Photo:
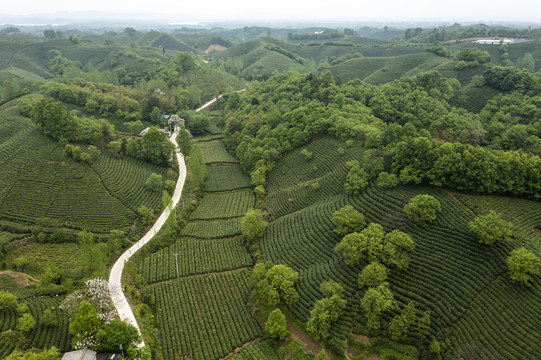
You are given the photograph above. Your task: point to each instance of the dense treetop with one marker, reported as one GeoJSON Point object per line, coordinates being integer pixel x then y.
{"type": "Point", "coordinates": [428, 140]}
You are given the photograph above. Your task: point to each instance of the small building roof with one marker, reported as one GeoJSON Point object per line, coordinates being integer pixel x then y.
{"type": "Point", "coordinates": [80, 355]}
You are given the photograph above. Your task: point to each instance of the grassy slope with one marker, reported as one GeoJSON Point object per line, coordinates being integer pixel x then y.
{"type": "Point", "coordinates": [450, 273]}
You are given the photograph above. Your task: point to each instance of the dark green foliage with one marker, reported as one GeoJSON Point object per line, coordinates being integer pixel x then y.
{"type": "Point", "coordinates": [376, 301]}
{"type": "Point", "coordinates": [372, 244]}
{"type": "Point", "coordinates": [7, 300]}
{"type": "Point", "coordinates": [154, 182]}
{"type": "Point", "coordinates": [473, 55]}
{"type": "Point", "coordinates": [117, 333]}
{"type": "Point", "coordinates": [274, 283]}
{"type": "Point", "coordinates": [356, 179]}
{"type": "Point", "coordinates": [53, 118]}
{"type": "Point", "coordinates": [326, 311]}
{"type": "Point", "coordinates": [373, 275]}
{"type": "Point", "coordinates": [422, 209]}
{"type": "Point", "coordinates": [439, 50]}
{"type": "Point", "coordinates": [184, 142]}
{"type": "Point", "coordinates": [467, 168]}
{"type": "Point", "coordinates": [348, 220]}
{"type": "Point", "coordinates": [509, 79]}
{"type": "Point", "coordinates": [159, 150]}
{"type": "Point", "coordinates": [84, 326]}
{"type": "Point", "coordinates": [147, 215]}
{"type": "Point", "coordinates": [196, 122]}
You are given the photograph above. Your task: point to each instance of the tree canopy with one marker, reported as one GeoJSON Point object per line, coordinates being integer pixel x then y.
{"type": "Point", "coordinates": [491, 228]}
{"type": "Point", "coordinates": [422, 208]}
{"type": "Point", "coordinates": [348, 220]}
{"type": "Point", "coordinates": [522, 265]}
{"type": "Point", "coordinates": [374, 245]}
{"type": "Point", "coordinates": [274, 283]}
{"type": "Point", "coordinates": [276, 325]}
{"type": "Point", "coordinates": [376, 301]}
{"type": "Point", "coordinates": [253, 225]}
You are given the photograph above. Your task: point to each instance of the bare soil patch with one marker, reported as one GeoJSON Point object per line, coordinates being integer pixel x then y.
{"type": "Point", "coordinates": [363, 339]}
{"type": "Point", "coordinates": [20, 279]}
{"type": "Point", "coordinates": [215, 47]}
{"type": "Point", "coordinates": [306, 339]}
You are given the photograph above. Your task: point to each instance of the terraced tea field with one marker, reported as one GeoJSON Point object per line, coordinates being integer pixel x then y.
{"type": "Point", "coordinates": [196, 257]}
{"type": "Point", "coordinates": [40, 336]}
{"type": "Point", "coordinates": [225, 178]}
{"type": "Point", "coordinates": [224, 205]}
{"type": "Point", "coordinates": [214, 152]}
{"type": "Point", "coordinates": [212, 229]}
{"type": "Point", "coordinates": [204, 317]}
{"type": "Point", "coordinates": [203, 313]}
{"type": "Point", "coordinates": [465, 285]}
{"type": "Point", "coordinates": [39, 181]}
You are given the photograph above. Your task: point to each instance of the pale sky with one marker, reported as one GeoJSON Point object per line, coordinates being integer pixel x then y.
{"type": "Point", "coordinates": [476, 10]}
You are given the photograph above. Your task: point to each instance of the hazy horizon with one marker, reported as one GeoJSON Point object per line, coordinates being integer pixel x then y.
{"type": "Point", "coordinates": [283, 11]}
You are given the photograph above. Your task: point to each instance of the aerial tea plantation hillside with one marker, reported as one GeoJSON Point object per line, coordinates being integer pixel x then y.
{"type": "Point", "coordinates": [39, 181]}
{"type": "Point", "coordinates": [200, 285]}
{"type": "Point", "coordinates": [465, 285]}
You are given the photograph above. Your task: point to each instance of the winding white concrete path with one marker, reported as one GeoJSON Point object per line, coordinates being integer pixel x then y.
{"type": "Point", "coordinates": [115, 286]}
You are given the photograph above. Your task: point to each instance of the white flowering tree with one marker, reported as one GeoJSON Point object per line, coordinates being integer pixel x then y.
{"type": "Point", "coordinates": [98, 295]}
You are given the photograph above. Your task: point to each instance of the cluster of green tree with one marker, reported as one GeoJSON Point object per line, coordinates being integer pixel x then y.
{"type": "Point", "coordinates": [526, 62]}
{"type": "Point", "coordinates": [281, 50]}
{"type": "Point", "coordinates": [195, 121]}
{"type": "Point", "coordinates": [331, 43]}
{"type": "Point", "coordinates": [273, 287]}
{"type": "Point", "coordinates": [97, 253]}
{"type": "Point", "coordinates": [288, 109]}
{"type": "Point", "coordinates": [362, 244]}
{"type": "Point", "coordinates": [55, 120]}
{"type": "Point", "coordinates": [25, 321]}
{"type": "Point", "coordinates": [471, 58]}
{"type": "Point", "coordinates": [48, 354]}
{"type": "Point", "coordinates": [101, 99]}
{"type": "Point", "coordinates": [10, 30]}
{"type": "Point", "coordinates": [85, 157]}
{"type": "Point", "coordinates": [491, 229]}
{"type": "Point", "coordinates": [172, 71]}
{"type": "Point", "coordinates": [458, 32]}
{"type": "Point", "coordinates": [439, 49]}
{"type": "Point", "coordinates": [511, 122]}
{"type": "Point", "coordinates": [90, 331]}
{"type": "Point", "coordinates": [52, 34]}
{"type": "Point", "coordinates": [510, 79]}
{"type": "Point", "coordinates": [11, 90]}
{"type": "Point", "coordinates": [324, 35]}
{"type": "Point", "coordinates": [467, 168]}
{"type": "Point", "coordinates": [153, 147]}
